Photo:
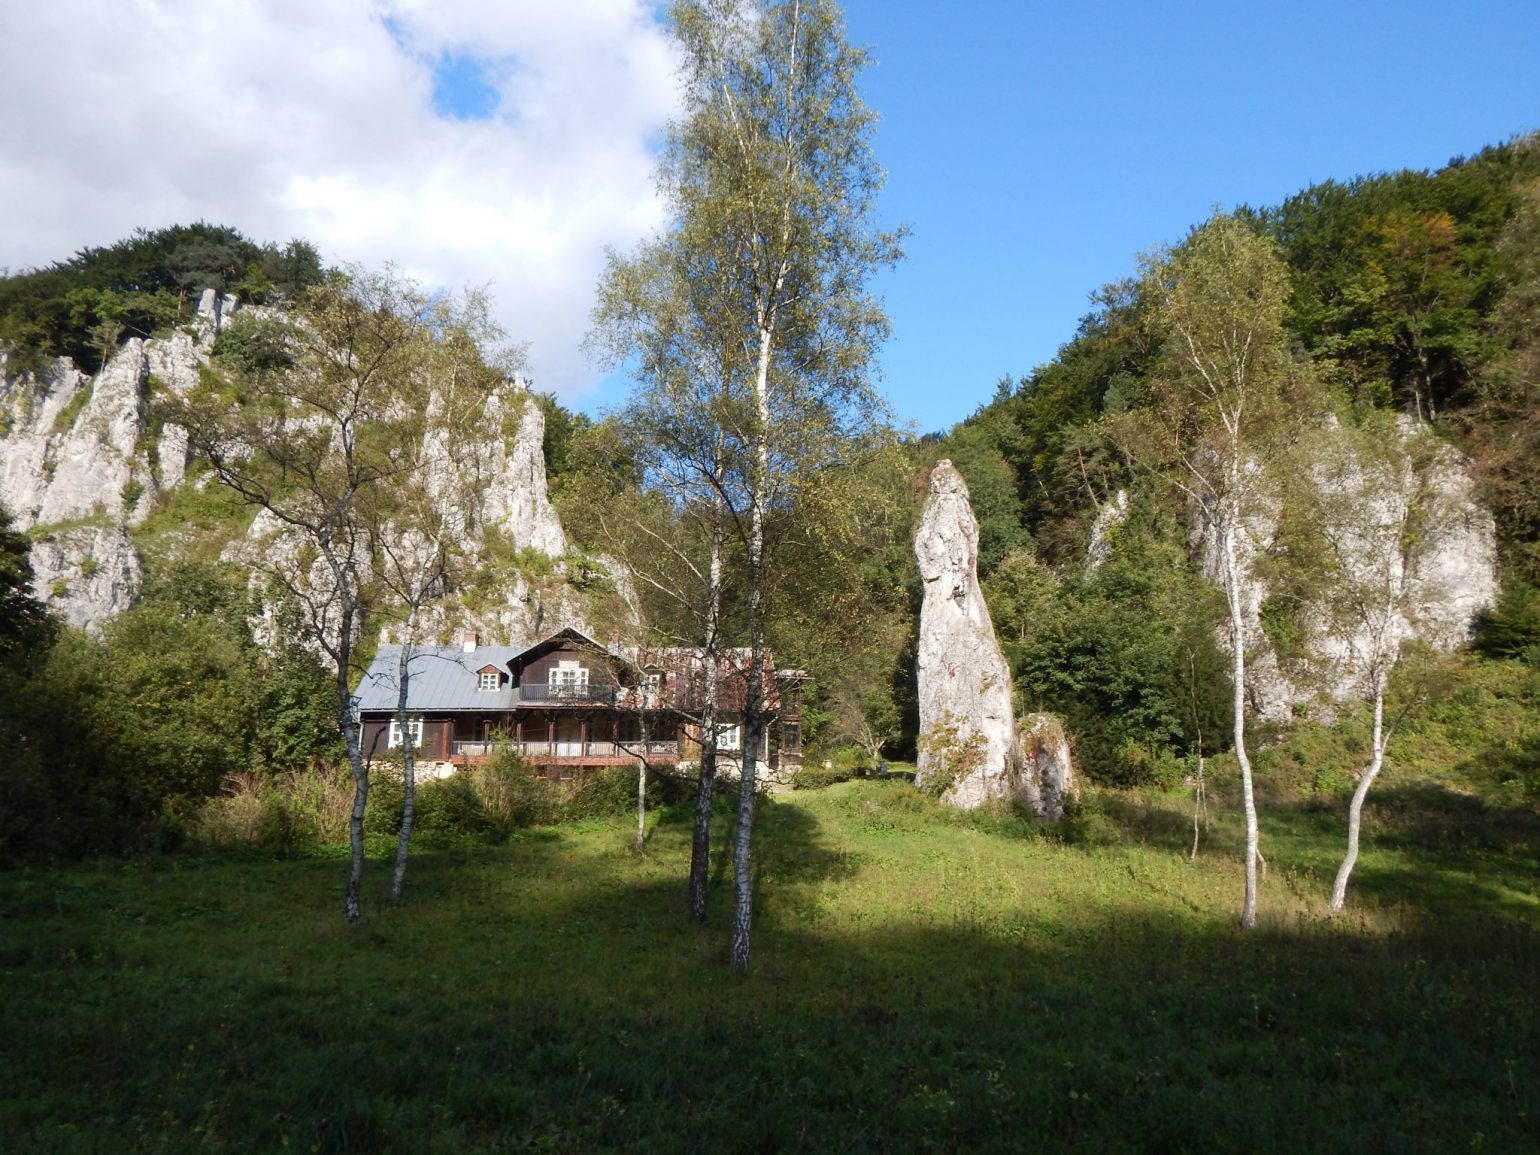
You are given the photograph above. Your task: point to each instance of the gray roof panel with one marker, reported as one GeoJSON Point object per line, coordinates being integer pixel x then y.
{"type": "Point", "coordinates": [441, 678]}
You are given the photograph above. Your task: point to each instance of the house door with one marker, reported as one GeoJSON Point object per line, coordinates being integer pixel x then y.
{"type": "Point", "coordinates": [569, 738]}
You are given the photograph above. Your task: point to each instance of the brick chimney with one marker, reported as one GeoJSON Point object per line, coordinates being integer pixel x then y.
{"type": "Point", "coordinates": [468, 643]}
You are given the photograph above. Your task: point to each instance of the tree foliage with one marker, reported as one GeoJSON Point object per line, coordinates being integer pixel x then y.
{"type": "Point", "coordinates": [81, 308]}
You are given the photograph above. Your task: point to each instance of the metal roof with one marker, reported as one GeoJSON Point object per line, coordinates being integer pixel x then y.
{"type": "Point", "coordinates": [441, 678]}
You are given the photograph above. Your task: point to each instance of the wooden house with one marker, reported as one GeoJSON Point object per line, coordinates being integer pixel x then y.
{"type": "Point", "coordinates": [569, 704]}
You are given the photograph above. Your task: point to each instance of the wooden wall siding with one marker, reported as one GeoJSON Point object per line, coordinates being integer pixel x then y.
{"type": "Point", "coordinates": [600, 672]}
{"type": "Point", "coordinates": [437, 739]}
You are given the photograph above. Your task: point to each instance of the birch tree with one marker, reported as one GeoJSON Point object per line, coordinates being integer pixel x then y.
{"type": "Point", "coordinates": [423, 526]}
{"type": "Point", "coordinates": [315, 421]}
{"type": "Point", "coordinates": [1221, 403]}
{"type": "Point", "coordinates": [654, 309]}
{"type": "Point", "coordinates": [1380, 511]}
{"type": "Point", "coordinates": [770, 180]}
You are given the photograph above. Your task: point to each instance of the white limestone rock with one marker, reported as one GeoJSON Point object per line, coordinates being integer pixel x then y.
{"type": "Point", "coordinates": [86, 574]}
{"type": "Point", "coordinates": [80, 453]}
{"type": "Point", "coordinates": [967, 731]}
{"type": "Point", "coordinates": [1453, 580]}
{"type": "Point", "coordinates": [516, 500]}
{"type": "Point", "coordinates": [1108, 518]}
{"type": "Point", "coordinates": [1047, 780]}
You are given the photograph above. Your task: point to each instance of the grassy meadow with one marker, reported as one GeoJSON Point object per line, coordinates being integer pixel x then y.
{"type": "Point", "coordinates": [924, 982]}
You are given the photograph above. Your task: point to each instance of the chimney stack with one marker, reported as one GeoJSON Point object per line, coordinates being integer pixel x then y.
{"type": "Point", "coordinates": [469, 643]}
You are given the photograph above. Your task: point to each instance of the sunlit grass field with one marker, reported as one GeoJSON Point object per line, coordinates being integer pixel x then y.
{"type": "Point", "coordinates": [922, 982]}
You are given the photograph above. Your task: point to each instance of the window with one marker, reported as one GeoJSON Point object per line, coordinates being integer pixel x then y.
{"type": "Point", "coordinates": [488, 681]}
{"type": "Point", "coordinates": [652, 683]}
{"type": "Point", "coordinates": [791, 736]}
{"type": "Point", "coordinates": [568, 679]}
{"type": "Point", "coordinates": [412, 724]}
{"type": "Point", "coordinates": [729, 738]}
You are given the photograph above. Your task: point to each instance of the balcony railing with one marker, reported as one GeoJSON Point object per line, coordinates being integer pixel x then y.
{"type": "Point", "coordinates": [483, 748]}
{"type": "Point", "coordinates": [541, 693]}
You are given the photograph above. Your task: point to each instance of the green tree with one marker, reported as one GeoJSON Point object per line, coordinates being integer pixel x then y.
{"type": "Point", "coordinates": [421, 535]}
{"type": "Point", "coordinates": [25, 624]}
{"type": "Point", "coordinates": [770, 178]}
{"type": "Point", "coordinates": [1220, 405]}
{"type": "Point", "coordinates": [1503, 427]}
{"type": "Point", "coordinates": [310, 445]}
{"type": "Point", "coordinates": [1382, 508]}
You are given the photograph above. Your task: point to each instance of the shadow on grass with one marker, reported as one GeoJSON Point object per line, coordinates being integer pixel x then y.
{"type": "Point", "coordinates": [550, 995]}
{"type": "Point", "coordinates": [1468, 858]}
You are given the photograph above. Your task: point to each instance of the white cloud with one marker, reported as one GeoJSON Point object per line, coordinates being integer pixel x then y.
{"type": "Point", "coordinates": [290, 118]}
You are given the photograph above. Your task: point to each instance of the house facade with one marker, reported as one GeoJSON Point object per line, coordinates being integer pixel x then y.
{"type": "Point", "coordinates": [570, 705]}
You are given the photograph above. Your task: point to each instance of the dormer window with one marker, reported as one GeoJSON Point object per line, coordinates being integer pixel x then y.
{"type": "Point", "coordinates": [488, 681]}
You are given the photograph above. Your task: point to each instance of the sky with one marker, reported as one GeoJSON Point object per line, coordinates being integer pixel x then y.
{"type": "Point", "coordinates": [1033, 149]}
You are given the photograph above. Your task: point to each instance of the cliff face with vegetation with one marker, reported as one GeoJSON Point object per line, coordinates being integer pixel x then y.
{"type": "Point", "coordinates": [1410, 306]}
{"type": "Point", "coordinates": [96, 480]}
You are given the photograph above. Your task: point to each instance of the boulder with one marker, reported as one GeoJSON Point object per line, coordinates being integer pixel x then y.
{"type": "Point", "coordinates": [1046, 774]}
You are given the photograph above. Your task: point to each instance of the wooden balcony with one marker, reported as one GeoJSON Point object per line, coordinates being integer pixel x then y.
{"type": "Point", "coordinates": [543, 694]}
{"type": "Point", "coordinates": [620, 753]}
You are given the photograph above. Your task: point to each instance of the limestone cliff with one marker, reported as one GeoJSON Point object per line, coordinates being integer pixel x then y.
{"type": "Point", "coordinates": [1441, 586]}
{"type": "Point", "coordinates": [84, 467]}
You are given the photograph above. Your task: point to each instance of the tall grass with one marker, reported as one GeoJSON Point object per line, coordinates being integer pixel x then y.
{"type": "Point", "coordinates": [302, 808]}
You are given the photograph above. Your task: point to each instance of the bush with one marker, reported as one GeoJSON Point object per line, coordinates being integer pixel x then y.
{"type": "Point", "coordinates": [1135, 764]}
{"type": "Point", "coordinates": [511, 793]}
{"type": "Point", "coordinates": [844, 763]}
{"type": "Point", "coordinates": [303, 808]}
{"type": "Point", "coordinates": [450, 806]}
{"type": "Point", "coordinates": [817, 776]}
{"type": "Point", "coordinates": [1086, 823]}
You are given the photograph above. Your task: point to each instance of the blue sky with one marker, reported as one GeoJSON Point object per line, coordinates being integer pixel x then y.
{"type": "Point", "coordinates": [1036, 148]}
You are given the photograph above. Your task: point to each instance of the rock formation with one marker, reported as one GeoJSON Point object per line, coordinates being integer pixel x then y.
{"type": "Point", "coordinates": [1047, 776]}
{"type": "Point", "coordinates": [1451, 580]}
{"type": "Point", "coordinates": [83, 464]}
{"type": "Point", "coordinates": [969, 749]}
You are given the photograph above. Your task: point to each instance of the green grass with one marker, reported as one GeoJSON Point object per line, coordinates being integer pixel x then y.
{"type": "Point", "coordinates": [923, 982]}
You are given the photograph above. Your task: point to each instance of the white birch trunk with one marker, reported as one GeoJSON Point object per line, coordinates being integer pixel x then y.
{"type": "Point", "coordinates": [641, 801]}
{"type": "Point", "coordinates": [1356, 807]}
{"type": "Point", "coordinates": [347, 718]}
{"type": "Point", "coordinates": [351, 900]}
{"type": "Point", "coordinates": [1238, 672]}
{"type": "Point", "coordinates": [700, 842]}
{"type": "Point", "coordinates": [409, 762]}
{"type": "Point", "coordinates": [743, 914]}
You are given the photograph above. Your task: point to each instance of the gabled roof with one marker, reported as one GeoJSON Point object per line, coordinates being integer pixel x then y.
{"type": "Point", "coordinates": [442, 678]}
{"type": "Point", "coordinates": [568, 635]}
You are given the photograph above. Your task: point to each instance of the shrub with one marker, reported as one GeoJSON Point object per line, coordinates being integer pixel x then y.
{"type": "Point", "coordinates": [511, 793]}
{"type": "Point", "coordinates": [450, 806]}
{"type": "Point", "coordinates": [1086, 823]}
{"type": "Point", "coordinates": [304, 808]}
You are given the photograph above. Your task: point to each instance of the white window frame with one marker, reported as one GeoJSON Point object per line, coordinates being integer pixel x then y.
{"type": "Point", "coordinates": [567, 675]}
{"type": "Point", "coordinates": [413, 725]}
{"type": "Point", "coordinates": [488, 682]}
{"type": "Point", "coordinates": [729, 736]}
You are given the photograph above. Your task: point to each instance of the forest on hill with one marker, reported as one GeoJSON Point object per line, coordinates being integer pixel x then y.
{"type": "Point", "coordinates": [1408, 293]}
